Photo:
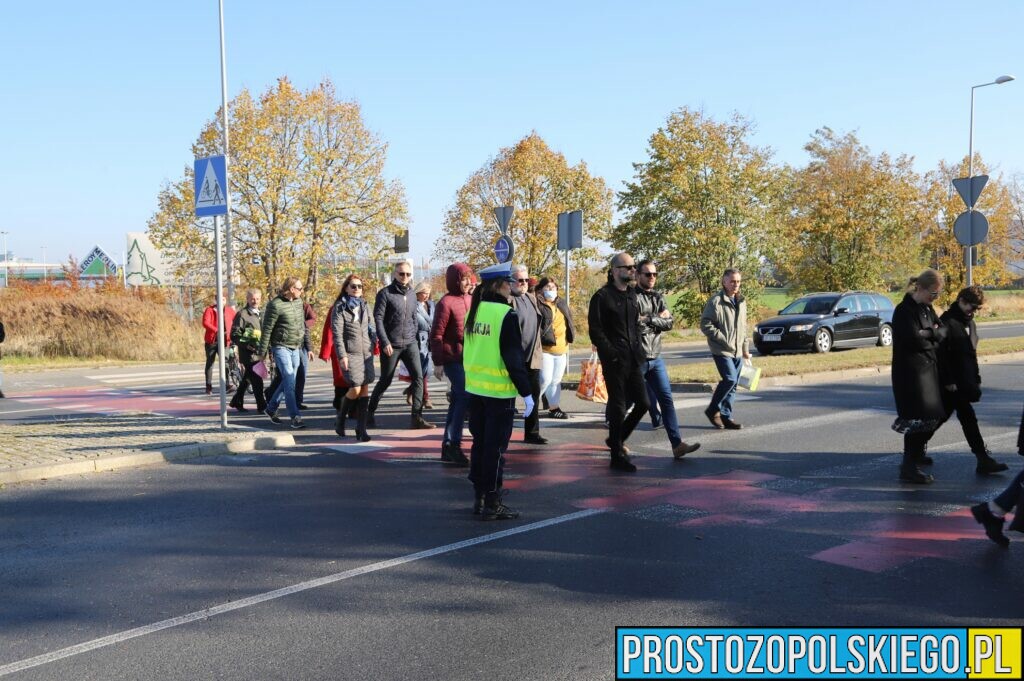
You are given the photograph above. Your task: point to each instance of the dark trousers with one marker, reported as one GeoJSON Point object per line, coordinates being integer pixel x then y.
{"type": "Point", "coordinates": [968, 421]}
{"type": "Point", "coordinates": [249, 377]}
{"type": "Point", "coordinates": [625, 386]}
{"type": "Point", "coordinates": [211, 358]}
{"type": "Point", "coordinates": [1012, 495]}
{"type": "Point", "coordinates": [456, 373]}
{"type": "Point", "coordinates": [531, 424]}
{"type": "Point", "coordinates": [490, 421]}
{"type": "Point", "coordinates": [410, 355]}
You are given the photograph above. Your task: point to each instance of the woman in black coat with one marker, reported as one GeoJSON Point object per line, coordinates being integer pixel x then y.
{"type": "Point", "coordinates": [963, 382]}
{"type": "Point", "coordinates": [917, 335]}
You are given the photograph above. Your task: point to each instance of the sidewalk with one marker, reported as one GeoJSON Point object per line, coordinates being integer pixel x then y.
{"type": "Point", "coordinates": [48, 448]}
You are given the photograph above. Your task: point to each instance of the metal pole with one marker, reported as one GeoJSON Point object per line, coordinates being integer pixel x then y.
{"type": "Point", "coordinates": [219, 278]}
{"type": "Point", "coordinates": [227, 159]}
{"type": "Point", "coordinates": [968, 251]}
{"type": "Point", "coordinates": [44, 262]}
{"type": "Point", "coordinates": [567, 276]}
{"type": "Point", "coordinates": [6, 267]}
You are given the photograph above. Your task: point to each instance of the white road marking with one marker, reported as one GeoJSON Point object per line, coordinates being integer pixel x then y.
{"type": "Point", "coordinates": [105, 641]}
{"type": "Point", "coordinates": [24, 411]}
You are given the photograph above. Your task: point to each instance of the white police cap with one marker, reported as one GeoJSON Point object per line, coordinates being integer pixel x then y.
{"type": "Point", "coordinates": [500, 271]}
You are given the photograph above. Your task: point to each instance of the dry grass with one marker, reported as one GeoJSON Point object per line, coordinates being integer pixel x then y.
{"type": "Point", "coordinates": [99, 323]}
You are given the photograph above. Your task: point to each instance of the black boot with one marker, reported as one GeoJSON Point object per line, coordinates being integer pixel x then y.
{"type": "Point", "coordinates": [364, 414]}
{"type": "Point", "coordinates": [353, 409]}
{"type": "Point", "coordinates": [987, 465]}
{"type": "Point", "coordinates": [339, 393]}
{"type": "Point", "coordinates": [494, 509]}
{"type": "Point", "coordinates": [339, 419]}
{"type": "Point", "coordinates": [922, 457]}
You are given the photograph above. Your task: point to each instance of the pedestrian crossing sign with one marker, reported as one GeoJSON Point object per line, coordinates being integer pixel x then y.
{"type": "Point", "coordinates": [211, 187]}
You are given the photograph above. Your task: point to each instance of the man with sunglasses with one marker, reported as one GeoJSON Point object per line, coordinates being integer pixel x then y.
{"type": "Point", "coordinates": [962, 379]}
{"type": "Point", "coordinates": [655, 319]}
{"type": "Point", "coordinates": [614, 317]}
{"type": "Point", "coordinates": [394, 313]}
{"type": "Point", "coordinates": [528, 310]}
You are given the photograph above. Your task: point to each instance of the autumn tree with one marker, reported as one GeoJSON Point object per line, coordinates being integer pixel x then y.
{"type": "Point", "coordinates": [704, 200]}
{"type": "Point", "coordinates": [855, 219]}
{"type": "Point", "coordinates": [539, 184]}
{"type": "Point", "coordinates": [308, 191]}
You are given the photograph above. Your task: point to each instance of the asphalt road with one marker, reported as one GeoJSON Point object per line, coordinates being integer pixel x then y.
{"type": "Point", "coordinates": [343, 561]}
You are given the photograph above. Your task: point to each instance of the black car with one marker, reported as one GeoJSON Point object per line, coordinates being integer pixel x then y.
{"type": "Point", "coordinates": [820, 321]}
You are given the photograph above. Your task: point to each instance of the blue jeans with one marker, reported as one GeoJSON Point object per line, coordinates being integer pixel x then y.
{"type": "Point", "coordinates": [1012, 495]}
{"type": "Point", "coordinates": [729, 370]}
{"type": "Point", "coordinates": [287, 361]}
{"type": "Point", "coordinates": [659, 392]}
{"type": "Point", "coordinates": [460, 400]}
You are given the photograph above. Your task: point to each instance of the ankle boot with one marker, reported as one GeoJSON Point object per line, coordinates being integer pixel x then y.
{"type": "Point", "coordinates": [909, 472]}
{"type": "Point", "coordinates": [987, 465]}
{"type": "Point", "coordinates": [364, 413]}
{"type": "Point", "coordinates": [339, 419]}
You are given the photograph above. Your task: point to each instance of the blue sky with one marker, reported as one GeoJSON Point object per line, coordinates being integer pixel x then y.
{"type": "Point", "coordinates": [102, 100]}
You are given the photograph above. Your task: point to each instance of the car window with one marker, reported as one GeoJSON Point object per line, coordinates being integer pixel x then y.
{"type": "Point", "coordinates": [850, 303]}
{"type": "Point", "coordinates": [810, 306]}
{"type": "Point", "coordinates": [867, 303]}
{"type": "Point", "coordinates": [882, 302]}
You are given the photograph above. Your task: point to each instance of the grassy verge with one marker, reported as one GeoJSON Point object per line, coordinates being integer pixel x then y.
{"type": "Point", "coordinates": [789, 365]}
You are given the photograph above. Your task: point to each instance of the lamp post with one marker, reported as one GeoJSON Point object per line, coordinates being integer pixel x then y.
{"type": "Point", "coordinates": [969, 251]}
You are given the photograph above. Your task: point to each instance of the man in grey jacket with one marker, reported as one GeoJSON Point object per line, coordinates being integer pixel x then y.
{"type": "Point", "coordinates": [528, 311]}
{"type": "Point", "coordinates": [394, 314]}
{"type": "Point", "coordinates": [655, 319]}
{"type": "Point", "coordinates": [724, 322]}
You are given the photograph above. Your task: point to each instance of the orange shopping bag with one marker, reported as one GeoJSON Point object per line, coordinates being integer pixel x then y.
{"type": "Point", "coordinates": [592, 387]}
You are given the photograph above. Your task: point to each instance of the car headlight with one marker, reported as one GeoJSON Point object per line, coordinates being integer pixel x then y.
{"type": "Point", "coordinates": [801, 327]}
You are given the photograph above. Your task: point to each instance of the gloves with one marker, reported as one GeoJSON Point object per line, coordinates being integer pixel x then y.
{"type": "Point", "coordinates": [528, 400]}
{"type": "Point", "coordinates": [438, 372]}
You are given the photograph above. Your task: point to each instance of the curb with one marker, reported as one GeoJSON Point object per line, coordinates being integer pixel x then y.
{"type": "Point", "coordinates": [146, 458]}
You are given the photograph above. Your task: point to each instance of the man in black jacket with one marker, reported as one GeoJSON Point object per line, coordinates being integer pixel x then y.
{"type": "Point", "coordinates": [394, 314]}
{"type": "Point", "coordinates": [959, 356]}
{"type": "Point", "coordinates": [614, 318]}
{"type": "Point", "coordinates": [655, 319]}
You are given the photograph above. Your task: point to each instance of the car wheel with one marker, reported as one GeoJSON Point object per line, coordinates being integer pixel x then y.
{"type": "Point", "coordinates": [764, 351]}
{"type": "Point", "coordinates": [822, 341]}
{"type": "Point", "coordinates": [885, 335]}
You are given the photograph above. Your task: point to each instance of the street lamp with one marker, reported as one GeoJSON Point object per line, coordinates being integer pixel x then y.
{"type": "Point", "coordinates": [969, 251]}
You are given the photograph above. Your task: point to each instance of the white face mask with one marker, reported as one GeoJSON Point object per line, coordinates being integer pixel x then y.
{"type": "Point", "coordinates": [549, 294]}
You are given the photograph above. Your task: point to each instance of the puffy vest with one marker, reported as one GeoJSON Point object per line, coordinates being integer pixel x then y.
{"type": "Point", "coordinates": [486, 374]}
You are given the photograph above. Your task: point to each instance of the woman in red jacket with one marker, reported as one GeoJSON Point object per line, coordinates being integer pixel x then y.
{"type": "Point", "coordinates": [210, 336]}
{"type": "Point", "coordinates": [446, 338]}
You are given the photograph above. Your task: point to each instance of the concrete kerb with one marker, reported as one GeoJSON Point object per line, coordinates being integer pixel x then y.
{"type": "Point", "coordinates": [145, 458]}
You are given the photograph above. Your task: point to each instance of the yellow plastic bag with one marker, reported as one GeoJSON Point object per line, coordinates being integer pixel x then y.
{"type": "Point", "coordinates": [750, 376]}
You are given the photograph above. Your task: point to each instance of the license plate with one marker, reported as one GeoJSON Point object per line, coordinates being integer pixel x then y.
{"type": "Point", "coordinates": [772, 337]}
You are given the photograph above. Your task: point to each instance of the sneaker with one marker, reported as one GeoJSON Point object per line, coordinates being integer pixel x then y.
{"type": "Point", "coordinates": [494, 509]}
{"type": "Point", "coordinates": [303, 407]}
{"type": "Point", "coordinates": [419, 424]}
{"type": "Point", "coordinates": [273, 415]}
{"type": "Point", "coordinates": [914, 476]}
{"type": "Point", "coordinates": [715, 418]}
{"type": "Point", "coordinates": [298, 423]}
{"type": "Point", "coordinates": [988, 466]}
{"type": "Point", "coordinates": [622, 463]}
{"type": "Point", "coordinates": [993, 525]}
{"type": "Point", "coordinates": [557, 413]}
{"type": "Point", "coordinates": [682, 449]}
{"type": "Point", "coordinates": [729, 424]}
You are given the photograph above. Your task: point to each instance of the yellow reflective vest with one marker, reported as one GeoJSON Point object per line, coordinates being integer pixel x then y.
{"type": "Point", "coordinates": [486, 374]}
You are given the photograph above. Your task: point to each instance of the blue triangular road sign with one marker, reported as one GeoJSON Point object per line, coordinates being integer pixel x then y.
{"type": "Point", "coordinates": [211, 187]}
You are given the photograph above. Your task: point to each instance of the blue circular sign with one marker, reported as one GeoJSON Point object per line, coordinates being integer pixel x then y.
{"type": "Point", "coordinates": [503, 249]}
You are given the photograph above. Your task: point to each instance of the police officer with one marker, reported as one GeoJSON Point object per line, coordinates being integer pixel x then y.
{"type": "Point", "coordinates": [495, 374]}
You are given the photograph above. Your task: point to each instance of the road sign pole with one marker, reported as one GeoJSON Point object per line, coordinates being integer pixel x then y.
{"type": "Point", "coordinates": [219, 279]}
{"type": "Point", "coordinates": [567, 277]}
{"type": "Point", "coordinates": [227, 161]}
